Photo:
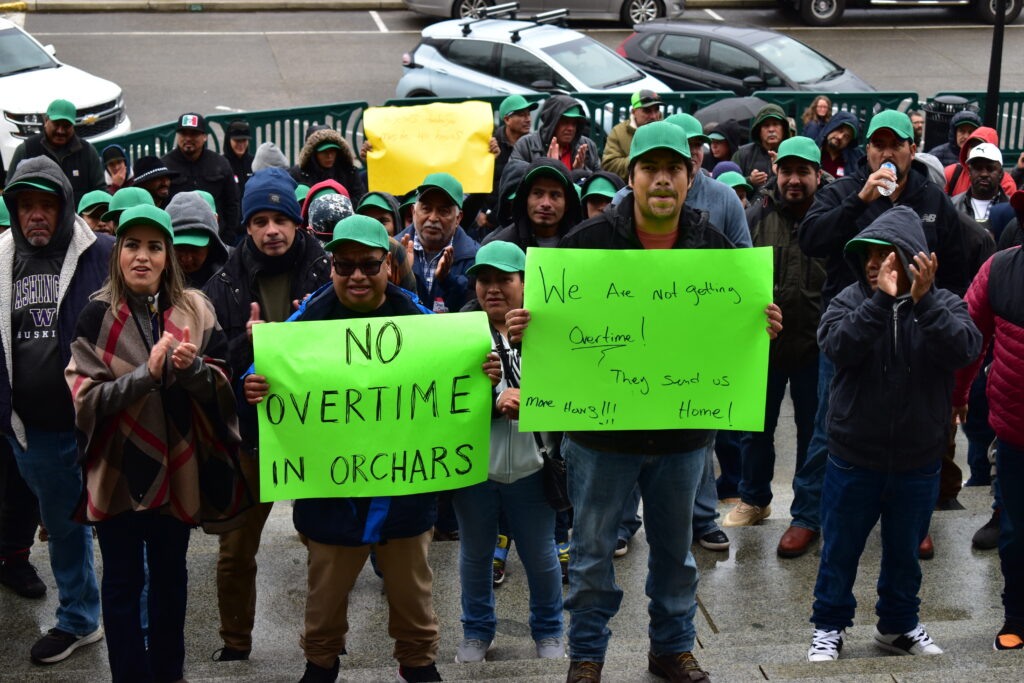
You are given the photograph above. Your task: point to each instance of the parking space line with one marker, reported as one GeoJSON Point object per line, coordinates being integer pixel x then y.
{"type": "Point", "coordinates": [714, 15]}
{"type": "Point", "coordinates": [377, 20]}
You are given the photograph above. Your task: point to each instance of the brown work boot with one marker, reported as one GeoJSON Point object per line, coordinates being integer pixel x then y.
{"type": "Point", "coordinates": [681, 666]}
{"type": "Point", "coordinates": [584, 672]}
{"type": "Point", "coordinates": [796, 541]}
{"type": "Point", "coordinates": [926, 550]}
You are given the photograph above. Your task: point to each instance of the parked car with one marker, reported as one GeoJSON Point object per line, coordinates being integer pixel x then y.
{"type": "Point", "coordinates": [629, 12]}
{"type": "Point", "coordinates": [830, 12]}
{"type": "Point", "coordinates": [715, 56]}
{"type": "Point", "coordinates": [460, 58]}
{"type": "Point", "coordinates": [31, 77]}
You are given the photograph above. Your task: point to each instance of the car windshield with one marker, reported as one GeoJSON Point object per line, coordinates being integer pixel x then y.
{"type": "Point", "coordinates": [593, 64]}
{"type": "Point", "coordinates": [18, 53]}
{"type": "Point", "coordinates": [796, 61]}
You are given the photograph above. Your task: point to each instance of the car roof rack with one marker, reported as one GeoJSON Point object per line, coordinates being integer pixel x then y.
{"type": "Point", "coordinates": [555, 16]}
{"type": "Point", "coordinates": [506, 9]}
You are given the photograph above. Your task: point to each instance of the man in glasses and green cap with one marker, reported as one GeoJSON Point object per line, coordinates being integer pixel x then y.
{"type": "Point", "coordinates": [77, 157]}
{"type": "Point", "coordinates": [604, 467]}
{"type": "Point", "coordinates": [562, 135]}
{"type": "Point", "coordinates": [645, 107]}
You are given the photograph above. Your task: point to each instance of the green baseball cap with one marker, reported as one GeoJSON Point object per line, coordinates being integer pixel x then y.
{"type": "Point", "coordinates": [191, 238]}
{"type": "Point", "coordinates": [408, 201]}
{"type": "Point", "coordinates": [690, 125]}
{"type": "Point", "coordinates": [601, 187]}
{"type": "Point", "coordinates": [715, 135]}
{"type": "Point", "coordinates": [300, 193]}
{"type": "Point", "coordinates": [574, 113]}
{"type": "Point", "coordinates": [374, 200]}
{"type": "Point", "coordinates": [327, 145]}
{"type": "Point", "coordinates": [93, 199]}
{"type": "Point", "coordinates": [208, 198]}
{"type": "Point", "coordinates": [41, 184]}
{"type": "Point", "coordinates": [896, 121]}
{"type": "Point", "coordinates": [504, 256]}
{"type": "Point", "coordinates": [734, 179]}
{"type": "Point", "coordinates": [5, 215]}
{"type": "Point", "coordinates": [514, 103]}
{"type": "Point", "coordinates": [145, 214]}
{"type": "Point", "coordinates": [361, 229]}
{"type": "Point", "coordinates": [659, 135]}
{"type": "Point", "coordinates": [445, 182]}
{"type": "Point", "coordinates": [543, 171]}
{"type": "Point", "coordinates": [860, 244]}
{"type": "Point", "coordinates": [125, 198]}
{"type": "Point", "coordinates": [644, 98]}
{"type": "Point", "coordinates": [800, 147]}
{"type": "Point", "coordinates": [61, 110]}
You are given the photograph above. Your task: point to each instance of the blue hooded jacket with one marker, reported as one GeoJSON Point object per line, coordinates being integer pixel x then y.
{"type": "Point", "coordinates": [853, 153]}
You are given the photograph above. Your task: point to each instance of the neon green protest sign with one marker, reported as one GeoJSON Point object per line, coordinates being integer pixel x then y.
{"type": "Point", "coordinates": [645, 339]}
{"type": "Point", "coordinates": [373, 406]}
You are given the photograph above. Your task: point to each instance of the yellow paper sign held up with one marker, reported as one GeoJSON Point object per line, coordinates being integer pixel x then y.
{"type": "Point", "coordinates": [410, 143]}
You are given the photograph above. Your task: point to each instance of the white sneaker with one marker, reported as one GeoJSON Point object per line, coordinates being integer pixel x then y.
{"type": "Point", "coordinates": [915, 642]}
{"type": "Point", "coordinates": [825, 645]}
{"type": "Point", "coordinates": [472, 650]}
{"type": "Point", "coordinates": [550, 648]}
{"type": "Point", "coordinates": [744, 514]}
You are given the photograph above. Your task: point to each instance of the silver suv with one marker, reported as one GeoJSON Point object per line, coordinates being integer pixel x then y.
{"type": "Point", "coordinates": [502, 56]}
{"type": "Point", "coordinates": [629, 12]}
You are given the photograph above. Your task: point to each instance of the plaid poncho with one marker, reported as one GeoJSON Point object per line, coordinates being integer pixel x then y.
{"type": "Point", "coordinates": [147, 445]}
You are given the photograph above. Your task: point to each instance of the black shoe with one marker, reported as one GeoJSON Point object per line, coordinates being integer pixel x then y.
{"type": "Point", "coordinates": [58, 645]}
{"type": "Point", "coordinates": [418, 674]}
{"type": "Point", "coordinates": [949, 504]}
{"type": "Point", "coordinates": [987, 537]}
{"type": "Point", "coordinates": [21, 577]}
{"type": "Point", "coordinates": [318, 674]}
{"type": "Point", "coordinates": [715, 540]}
{"type": "Point", "coordinates": [227, 654]}
{"type": "Point", "coordinates": [584, 672]}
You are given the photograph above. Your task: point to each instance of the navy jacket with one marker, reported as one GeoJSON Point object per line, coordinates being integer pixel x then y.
{"type": "Point", "coordinates": [891, 399]}
{"type": "Point", "coordinates": [353, 522]}
{"type": "Point", "coordinates": [453, 289]}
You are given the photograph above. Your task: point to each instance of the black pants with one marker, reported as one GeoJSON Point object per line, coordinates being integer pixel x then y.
{"type": "Point", "coordinates": [164, 540]}
{"type": "Point", "coordinates": [19, 509]}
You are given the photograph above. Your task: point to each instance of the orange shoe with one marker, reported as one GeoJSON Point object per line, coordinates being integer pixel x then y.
{"type": "Point", "coordinates": [926, 550]}
{"type": "Point", "coordinates": [1008, 638]}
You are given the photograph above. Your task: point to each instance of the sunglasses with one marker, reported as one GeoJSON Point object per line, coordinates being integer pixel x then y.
{"type": "Point", "coordinates": [369, 268]}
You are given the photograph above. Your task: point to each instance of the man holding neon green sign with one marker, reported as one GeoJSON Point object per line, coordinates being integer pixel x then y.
{"type": "Point", "coordinates": [604, 465]}
{"type": "Point", "coordinates": [406, 432]}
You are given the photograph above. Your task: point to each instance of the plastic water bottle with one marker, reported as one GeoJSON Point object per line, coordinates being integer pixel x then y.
{"type": "Point", "coordinates": [888, 186]}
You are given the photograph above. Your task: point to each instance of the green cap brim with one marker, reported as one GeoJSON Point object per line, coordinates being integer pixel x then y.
{"type": "Point", "coordinates": [424, 189]}
{"type": "Point", "coordinates": [192, 239]}
{"type": "Point", "coordinates": [374, 200]}
{"type": "Point", "coordinates": [574, 113]}
{"type": "Point", "coordinates": [334, 244]}
{"type": "Point", "coordinates": [328, 145]}
{"type": "Point", "coordinates": [716, 136]}
{"type": "Point", "coordinates": [505, 267]}
{"type": "Point", "coordinates": [858, 244]}
{"type": "Point", "coordinates": [31, 185]}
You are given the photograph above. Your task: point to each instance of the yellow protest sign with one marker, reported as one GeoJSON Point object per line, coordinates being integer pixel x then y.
{"type": "Point", "coordinates": [409, 143]}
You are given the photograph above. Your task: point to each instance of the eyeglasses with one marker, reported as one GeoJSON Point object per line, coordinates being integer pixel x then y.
{"type": "Point", "coordinates": [369, 268]}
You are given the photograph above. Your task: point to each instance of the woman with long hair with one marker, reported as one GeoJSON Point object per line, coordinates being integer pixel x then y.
{"type": "Point", "coordinates": [158, 440]}
{"type": "Point", "coordinates": [816, 116]}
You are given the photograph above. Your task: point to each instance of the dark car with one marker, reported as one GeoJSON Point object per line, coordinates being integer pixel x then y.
{"type": "Point", "coordinates": [715, 56]}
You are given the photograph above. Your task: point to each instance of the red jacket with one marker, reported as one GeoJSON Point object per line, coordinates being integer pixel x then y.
{"type": "Point", "coordinates": [996, 305]}
{"type": "Point", "coordinates": [963, 181]}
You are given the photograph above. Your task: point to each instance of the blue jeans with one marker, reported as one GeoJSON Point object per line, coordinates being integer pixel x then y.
{"type": "Point", "coordinates": [729, 451]}
{"type": "Point", "coordinates": [1010, 472]}
{"type": "Point", "coordinates": [853, 501]}
{"type": "Point", "coordinates": [806, 507]}
{"type": "Point", "coordinates": [705, 504]}
{"type": "Point", "coordinates": [630, 522]}
{"type": "Point", "coordinates": [759, 447]}
{"type": "Point", "coordinates": [599, 484]}
{"type": "Point", "coordinates": [532, 523]}
{"type": "Point", "coordinates": [50, 468]}
{"type": "Point", "coordinates": [978, 432]}
{"type": "Point", "coordinates": [131, 542]}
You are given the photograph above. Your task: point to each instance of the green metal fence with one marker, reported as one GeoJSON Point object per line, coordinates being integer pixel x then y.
{"type": "Point", "coordinates": [863, 105]}
{"type": "Point", "coordinates": [1009, 120]}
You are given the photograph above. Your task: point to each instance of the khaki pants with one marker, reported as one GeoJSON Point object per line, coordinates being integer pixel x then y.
{"type": "Point", "coordinates": [408, 580]}
{"type": "Point", "coordinates": [236, 565]}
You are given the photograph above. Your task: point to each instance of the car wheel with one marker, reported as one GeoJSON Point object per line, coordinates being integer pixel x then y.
{"type": "Point", "coordinates": [985, 10]}
{"type": "Point", "coordinates": [641, 11]}
{"type": "Point", "coordinates": [788, 8]}
{"type": "Point", "coordinates": [421, 93]}
{"type": "Point", "coordinates": [823, 12]}
{"type": "Point", "coordinates": [468, 9]}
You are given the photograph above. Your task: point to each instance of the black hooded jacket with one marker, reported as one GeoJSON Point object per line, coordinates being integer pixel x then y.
{"type": "Point", "coordinates": [853, 153]}
{"type": "Point", "coordinates": [949, 152]}
{"type": "Point", "coordinates": [241, 166]}
{"type": "Point", "coordinates": [77, 158]}
{"type": "Point", "coordinates": [733, 133]}
{"type": "Point", "coordinates": [536, 144]}
{"type": "Point", "coordinates": [838, 214]}
{"type": "Point", "coordinates": [520, 232]}
{"type": "Point", "coordinates": [210, 172]}
{"type": "Point", "coordinates": [891, 398]}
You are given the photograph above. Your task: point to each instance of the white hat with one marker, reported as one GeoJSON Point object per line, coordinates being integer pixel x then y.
{"type": "Point", "coordinates": [985, 150]}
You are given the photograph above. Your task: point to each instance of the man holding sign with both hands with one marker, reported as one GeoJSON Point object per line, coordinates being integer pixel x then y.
{"type": "Point", "coordinates": [667, 464]}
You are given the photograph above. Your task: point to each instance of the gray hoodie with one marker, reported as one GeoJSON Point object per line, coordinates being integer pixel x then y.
{"type": "Point", "coordinates": [268, 155]}
{"type": "Point", "coordinates": [190, 212]}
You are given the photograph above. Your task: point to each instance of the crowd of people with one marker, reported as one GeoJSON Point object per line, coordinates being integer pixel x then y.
{"type": "Point", "coordinates": [128, 390]}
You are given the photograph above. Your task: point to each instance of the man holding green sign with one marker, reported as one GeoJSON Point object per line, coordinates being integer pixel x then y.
{"type": "Point", "coordinates": [393, 427]}
{"type": "Point", "coordinates": [667, 463]}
